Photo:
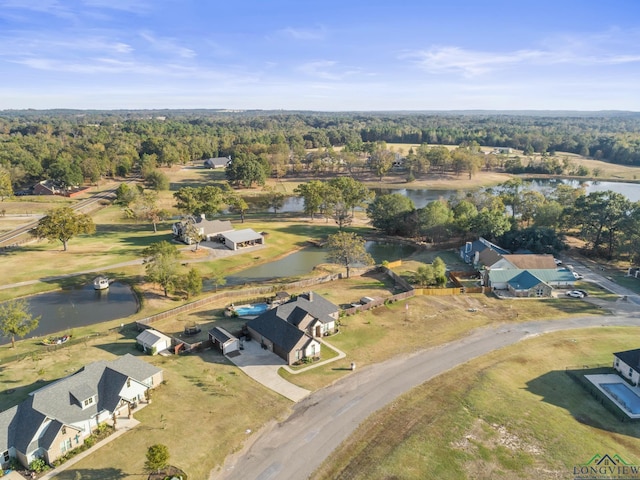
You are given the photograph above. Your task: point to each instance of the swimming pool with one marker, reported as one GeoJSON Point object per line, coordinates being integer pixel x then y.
{"type": "Point", "coordinates": [624, 396]}
{"type": "Point", "coordinates": [255, 309]}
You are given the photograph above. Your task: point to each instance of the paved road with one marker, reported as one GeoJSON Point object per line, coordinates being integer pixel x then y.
{"type": "Point", "coordinates": [295, 448]}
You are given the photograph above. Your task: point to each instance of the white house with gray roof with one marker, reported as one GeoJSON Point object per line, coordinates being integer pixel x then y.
{"type": "Point", "coordinates": [242, 238]}
{"type": "Point", "coordinates": [58, 417]}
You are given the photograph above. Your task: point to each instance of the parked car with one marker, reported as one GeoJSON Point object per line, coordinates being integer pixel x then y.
{"type": "Point", "coordinates": [583, 292]}
{"type": "Point", "coordinates": [577, 276]}
{"type": "Point", "coordinates": [575, 294]}
{"type": "Point", "coordinates": [558, 261]}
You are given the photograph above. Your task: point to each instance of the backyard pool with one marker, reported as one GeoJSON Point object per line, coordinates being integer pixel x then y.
{"type": "Point", "coordinates": [254, 309]}
{"type": "Point", "coordinates": [624, 396]}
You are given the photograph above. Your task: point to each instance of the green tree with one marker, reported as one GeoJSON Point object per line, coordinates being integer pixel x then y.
{"type": "Point", "coordinates": [16, 320]}
{"type": "Point", "coordinates": [510, 195]}
{"type": "Point", "coordinates": [273, 199]}
{"type": "Point", "coordinates": [381, 161]}
{"type": "Point", "coordinates": [207, 200]}
{"type": "Point", "coordinates": [162, 264]}
{"type": "Point", "coordinates": [157, 180]}
{"type": "Point", "coordinates": [352, 192]}
{"type": "Point", "coordinates": [313, 194]}
{"type": "Point", "coordinates": [246, 171]}
{"type": "Point", "coordinates": [126, 194]}
{"type": "Point", "coordinates": [435, 219]}
{"type": "Point", "coordinates": [218, 279]}
{"type": "Point", "coordinates": [347, 249]}
{"type": "Point", "coordinates": [490, 224]}
{"type": "Point", "coordinates": [439, 271]}
{"type": "Point", "coordinates": [192, 283]}
{"type": "Point", "coordinates": [6, 190]}
{"type": "Point", "coordinates": [63, 224]}
{"type": "Point", "coordinates": [157, 458]}
{"type": "Point", "coordinates": [146, 208]}
{"type": "Point", "coordinates": [424, 275]}
{"type": "Point", "coordinates": [387, 212]}
{"type": "Point", "coordinates": [239, 205]}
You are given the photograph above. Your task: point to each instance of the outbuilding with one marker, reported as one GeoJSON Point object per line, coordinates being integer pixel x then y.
{"type": "Point", "coordinates": [223, 340]}
{"type": "Point", "coordinates": [242, 238]}
{"type": "Point", "coordinates": [153, 342]}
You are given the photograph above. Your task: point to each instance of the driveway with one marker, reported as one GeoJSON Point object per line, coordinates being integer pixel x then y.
{"type": "Point", "coordinates": [263, 365]}
{"type": "Point", "coordinates": [294, 448]}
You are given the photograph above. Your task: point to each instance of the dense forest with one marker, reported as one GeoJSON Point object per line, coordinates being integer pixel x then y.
{"type": "Point", "coordinates": [74, 146]}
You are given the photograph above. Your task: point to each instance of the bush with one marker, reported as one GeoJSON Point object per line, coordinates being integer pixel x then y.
{"type": "Point", "coordinates": [38, 465]}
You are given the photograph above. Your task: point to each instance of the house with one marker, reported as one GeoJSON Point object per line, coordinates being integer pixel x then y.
{"type": "Point", "coordinates": [151, 341]}
{"type": "Point", "coordinates": [241, 238]}
{"type": "Point", "coordinates": [524, 262]}
{"type": "Point", "coordinates": [525, 284]}
{"type": "Point", "coordinates": [498, 279]}
{"type": "Point", "coordinates": [58, 417]}
{"type": "Point", "coordinates": [223, 340]}
{"type": "Point", "coordinates": [218, 162]}
{"type": "Point", "coordinates": [470, 251]}
{"type": "Point", "coordinates": [208, 230]}
{"type": "Point", "coordinates": [46, 187]}
{"type": "Point", "coordinates": [290, 330]}
{"type": "Point", "coordinates": [627, 363]}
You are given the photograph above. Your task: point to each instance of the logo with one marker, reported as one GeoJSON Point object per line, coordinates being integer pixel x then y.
{"type": "Point", "coordinates": [606, 467]}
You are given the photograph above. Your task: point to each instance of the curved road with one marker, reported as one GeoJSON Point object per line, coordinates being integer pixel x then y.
{"type": "Point", "coordinates": [295, 448]}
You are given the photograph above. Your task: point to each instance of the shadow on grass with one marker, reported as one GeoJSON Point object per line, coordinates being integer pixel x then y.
{"type": "Point", "coordinates": [94, 474]}
{"type": "Point", "coordinates": [560, 389]}
{"type": "Point", "coordinates": [121, 348]}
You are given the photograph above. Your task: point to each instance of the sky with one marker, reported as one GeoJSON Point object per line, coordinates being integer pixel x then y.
{"type": "Point", "coordinates": [325, 55]}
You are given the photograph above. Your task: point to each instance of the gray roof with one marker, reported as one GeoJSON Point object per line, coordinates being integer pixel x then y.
{"type": "Point", "coordinates": [277, 330]}
{"type": "Point", "coordinates": [217, 162]}
{"type": "Point", "coordinates": [244, 235]}
{"type": "Point", "coordinates": [221, 334]}
{"type": "Point", "coordinates": [630, 357]}
{"type": "Point", "coordinates": [62, 400]}
{"type": "Point", "coordinates": [151, 337]}
{"type": "Point", "coordinates": [312, 303]}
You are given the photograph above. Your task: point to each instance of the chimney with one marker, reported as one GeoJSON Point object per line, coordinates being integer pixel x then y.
{"type": "Point", "coordinates": [467, 247]}
{"type": "Point", "coordinates": [311, 296]}
{"type": "Point", "coordinates": [203, 216]}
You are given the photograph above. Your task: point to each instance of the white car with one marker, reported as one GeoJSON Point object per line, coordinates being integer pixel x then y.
{"type": "Point", "coordinates": [558, 261]}
{"type": "Point", "coordinates": [577, 276]}
{"type": "Point", "coordinates": [575, 294]}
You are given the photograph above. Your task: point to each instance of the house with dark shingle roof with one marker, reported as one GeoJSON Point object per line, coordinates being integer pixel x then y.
{"type": "Point", "coordinates": [218, 162]}
{"type": "Point", "coordinates": [58, 417]}
{"type": "Point", "coordinates": [628, 364]}
{"type": "Point", "coordinates": [290, 330]}
{"type": "Point", "coordinates": [209, 230]}
{"type": "Point", "coordinates": [471, 252]}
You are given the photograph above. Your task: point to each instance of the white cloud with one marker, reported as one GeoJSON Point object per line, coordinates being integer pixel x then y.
{"type": "Point", "coordinates": [167, 45]}
{"type": "Point", "coordinates": [318, 33]}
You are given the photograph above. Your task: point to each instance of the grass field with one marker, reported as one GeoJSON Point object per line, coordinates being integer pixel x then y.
{"type": "Point", "coordinates": [511, 414]}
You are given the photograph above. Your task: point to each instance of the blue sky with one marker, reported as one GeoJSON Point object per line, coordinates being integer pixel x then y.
{"type": "Point", "coordinates": [320, 55]}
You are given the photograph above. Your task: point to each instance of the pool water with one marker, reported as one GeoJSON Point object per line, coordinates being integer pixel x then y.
{"type": "Point", "coordinates": [624, 396]}
{"type": "Point", "coordinates": [255, 309]}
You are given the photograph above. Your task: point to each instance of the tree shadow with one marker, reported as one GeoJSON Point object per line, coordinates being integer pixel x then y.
{"type": "Point", "coordinates": [559, 389]}
{"type": "Point", "coordinates": [93, 474]}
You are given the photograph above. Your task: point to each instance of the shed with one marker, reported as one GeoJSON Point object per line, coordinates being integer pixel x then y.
{"type": "Point", "coordinates": [223, 340]}
{"type": "Point", "coordinates": [153, 341]}
{"type": "Point", "coordinates": [242, 238]}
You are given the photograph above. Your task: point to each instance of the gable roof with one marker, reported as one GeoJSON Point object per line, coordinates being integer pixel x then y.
{"type": "Point", "coordinates": [630, 357]}
{"type": "Point", "coordinates": [277, 330]}
{"type": "Point", "coordinates": [221, 334]}
{"type": "Point", "coordinates": [244, 235]}
{"type": "Point", "coordinates": [524, 281]}
{"type": "Point", "coordinates": [546, 275]}
{"type": "Point", "coordinates": [217, 162]}
{"type": "Point", "coordinates": [488, 257]}
{"type": "Point", "coordinates": [312, 303]}
{"type": "Point", "coordinates": [531, 261]}
{"type": "Point", "coordinates": [152, 337]}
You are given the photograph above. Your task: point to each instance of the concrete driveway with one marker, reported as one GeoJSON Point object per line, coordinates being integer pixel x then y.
{"type": "Point", "coordinates": [263, 365]}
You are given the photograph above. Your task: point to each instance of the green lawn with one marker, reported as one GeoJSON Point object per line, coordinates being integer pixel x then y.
{"type": "Point", "coordinates": [512, 414]}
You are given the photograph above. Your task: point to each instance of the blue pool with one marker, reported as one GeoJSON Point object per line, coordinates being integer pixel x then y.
{"type": "Point", "coordinates": [255, 309]}
{"type": "Point", "coordinates": [624, 396]}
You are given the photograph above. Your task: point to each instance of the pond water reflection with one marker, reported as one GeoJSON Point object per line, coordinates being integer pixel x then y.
{"type": "Point", "coordinates": [63, 310]}
{"type": "Point", "coordinates": [303, 261]}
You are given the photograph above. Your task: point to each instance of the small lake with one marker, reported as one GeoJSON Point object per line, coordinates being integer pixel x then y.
{"type": "Point", "coordinates": [303, 261]}
{"type": "Point", "coordinates": [64, 310]}
{"type": "Point", "coordinates": [423, 196]}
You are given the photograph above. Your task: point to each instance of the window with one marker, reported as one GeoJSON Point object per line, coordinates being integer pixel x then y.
{"type": "Point", "coordinates": [630, 372]}
{"type": "Point", "coordinates": [64, 430]}
{"type": "Point", "coordinates": [128, 383]}
{"type": "Point", "coordinates": [6, 456]}
{"type": "Point", "coordinates": [65, 445]}
{"type": "Point", "coordinates": [88, 401]}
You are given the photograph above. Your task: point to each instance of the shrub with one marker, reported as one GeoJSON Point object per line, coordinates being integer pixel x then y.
{"type": "Point", "coordinates": [38, 465]}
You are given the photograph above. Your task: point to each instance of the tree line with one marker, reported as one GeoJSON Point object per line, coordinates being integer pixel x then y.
{"type": "Point", "coordinates": [76, 146]}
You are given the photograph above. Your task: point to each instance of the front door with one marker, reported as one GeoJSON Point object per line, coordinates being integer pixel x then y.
{"type": "Point", "coordinates": [318, 331]}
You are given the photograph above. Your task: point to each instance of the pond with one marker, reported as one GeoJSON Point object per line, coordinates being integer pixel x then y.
{"type": "Point", "coordinates": [423, 196]}
{"type": "Point", "coordinates": [303, 261]}
{"type": "Point", "coordinates": [64, 310]}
